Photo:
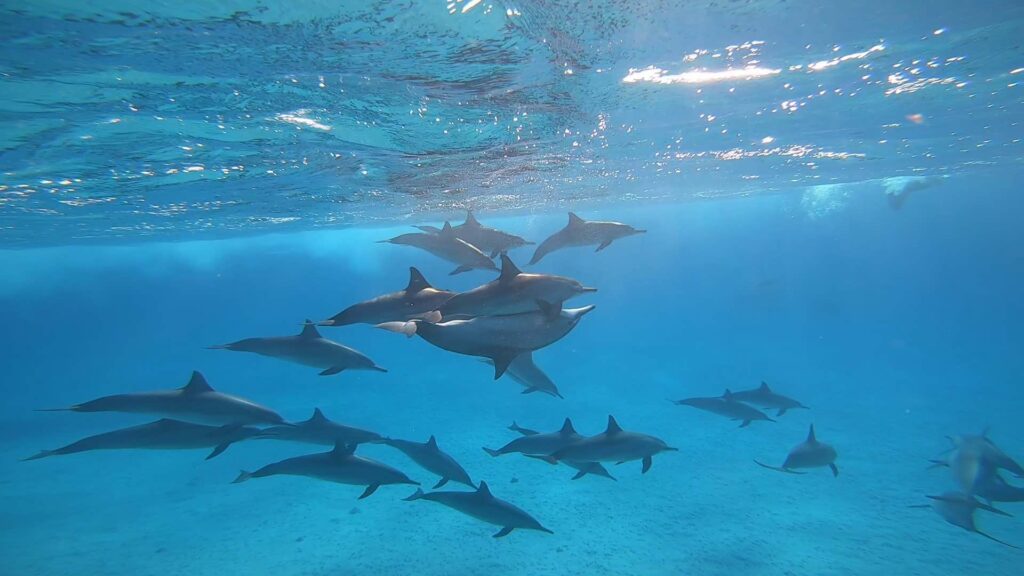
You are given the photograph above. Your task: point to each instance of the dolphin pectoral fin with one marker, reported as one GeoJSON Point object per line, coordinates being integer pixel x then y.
{"type": "Point", "coordinates": [504, 532]}
{"type": "Point", "coordinates": [502, 361]}
{"type": "Point", "coordinates": [835, 469]}
{"type": "Point", "coordinates": [579, 475]}
{"type": "Point", "coordinates": [777, 468]}
{"type": "Point", "coordinates": [414, 496]}
{"type": "Point", "coordinates": [938, 464]}
{"type": "Point", "coordinates": [460, 270]}
{"type": "Point", "coordinates": [440, 483]}
{"type": "Point", "coordinates": [745, 424]}
{"type": "Point", "coordinates": [603, 245]}
{"type": "Point", "coordinates": [332, 371]}
{"type": "Point", "coordinates": [993, 510]}
{"type": "Point", "coordinates": [780, 412]}
{"type": "Point", "coordinates": [647, 464]}
{"type": "Point", "coordinates": [994, 539]}
{"type": "Point", "coordinates": [242, 477]}
{"type": "Point", "coordinates": [219, 450]}
{"type": "Point", "coordinates": [369, 490]}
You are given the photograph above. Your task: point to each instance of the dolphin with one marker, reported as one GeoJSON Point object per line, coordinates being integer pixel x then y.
{"type": "Point", "coordinates": [500, 338]}
{"type": "Point", "coordinates": [195, 402]}
{"type": "Point", "coordinates": [482, 505]}
{"type": "Point", "coordinates": [727, 406]}
{"type": "Point", "coordinates": [308, 348]}
{"type": "Point", "coordinates": [529, 375]}
{"type": "Point", "coordinates": [512, 292]}
{"type": "Point", "coordinates": [320, 430]}
{"type": "Point", "coordinates": [612, 445]}
{"type": "Point", "coordinates": [579, 232]}
{"type": "Point", "coordinates": [164, 434]}
{"type": "Point", "coordinates": [994, 488]}
{"type": "Point", "coordinates": [958, 509]}
{"type": "Point", "coordinates": [765, 397]}
{"type": "Point", "coordinates": [974, 458]}
{"type": "Point", "coordinates": [446, 245]}
{"type": "Point", "coordinates": [418, 300]}
{"type": "Point", "coordinates": [988, 451]}
{"type": "Point", "coordinates": [432, 459]}
{"type": "Point", "coordinates": [340, 465]}
{"type": "Point", "coordinates": [808, 454]}
{"type": "Point", "coordinates": [544, 444]}
{"type": "Point", "coordinates": [524, 431]}
{"type": "Point", "coordinates": [488, 240]}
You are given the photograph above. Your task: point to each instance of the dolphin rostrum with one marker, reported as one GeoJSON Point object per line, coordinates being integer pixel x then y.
{"type": "Point", "coordinates": [511, 293]}
{"type": "Point", "coordinates": [320, 430]}
{"type": "Point", "coordinates": [432, 459]}
{"type": "Point", "coordinates": [535, 444]}
{"type": "Point", "coordinates": [164, 434]}
{"type": "Point", "coordinates": [418, 300]}
{"type": "Point", "coordinates": [808, 454]}
{"type": "Point", "coordinates": [765, 397]}
{"type": "Point", "coordinates": [488, 240]}
{"type": "Point", "coordinates": [446, 245]}
{"type": "Point", "coordinates": [529, 375]}
{"type": "Point", "coordinates": [727, 406]}
{"type": "Point", "coordinates": [579, 232]}
{"type": "Point", "coordinates": [612, 445]}
{"type": "Point", "coordinates": [340, 465]}
{"type": "Point", "coordinates": [308, 348]}
{"type": "Point", "coordinates": [958, 509]}
{"type": "Point", "coordinates": [500, 338]}
{"type": "Point", "coordinates": [483, 505]}
{"type": "Point", "coordinates": [194, 402]}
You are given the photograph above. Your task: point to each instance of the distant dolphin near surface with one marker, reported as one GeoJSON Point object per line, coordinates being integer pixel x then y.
{"type": "Point", "coordinates": [524, 371]}
{"type": "Point", "coordinates": [483, 505]}
{"type": "Point", "coordinates": [612, 445]}
{"type": "Point", "coordinates": [447, 246]}
{"type": "Point", "coordinates": [195, 402]}
{"type": "Point", "coordinates": [308, 348]}
{"type": "Point", "coordinates": [764, 397]}
{"type": "Point", "coordinates": [958, 509]}
{"type": "Point", "coordinates": [487, 240]}
{"type": "Point", "coordinates": [726, 405]}
{"type": "Point", "coordinates": [580, 232]}
{"type": "Point", "coordinates": [418, 300]}
{"type": "Point", "coordinates": [431, 458]}
{"type": "Point", "coordinates": [808, 454]}
{"type": "Point", "coordinates": [318, 429]}
{"type": "Point", "coordinates": [164, 434]}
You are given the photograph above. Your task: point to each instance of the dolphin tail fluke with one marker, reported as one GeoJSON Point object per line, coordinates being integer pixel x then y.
{"type": "Point", "coordinates": [493, 453]}
{"type": "Point", "coordinates": [414, 496]}
{"type": "Point", "coordinates": [777, 468]}
{"type": "Point", "coordinates": [242, 477]}
{"type": "Point", "coordinates": [407, 328]}
{"type": "Point", "coordinates": [41, 454]}
{"type": "Point", "coordinates": [460, 270]}
{"type": "Point", "coordinates": [219, 450]}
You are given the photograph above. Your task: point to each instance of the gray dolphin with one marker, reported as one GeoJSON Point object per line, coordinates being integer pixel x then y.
{"type": "Point", "coordinates": [196, 402]}
{"type": "Point", "coordinates": [482, 505]}
{"type": "Point", "coordinates": [340, 465]}
{"type": "Point", "coordinates": [974, 457]}
{"type": "Point", "coordinates": [579, 232]}
{"type": "Point", "coordinates": [543, 444]}
{"type": "Point", "coordinates": [488, 240]}
{"type": "Point", "coordinates": [308, 348]}
{"type": "Point", "coordinates": [320, 430]}
{"type": "Point", "coordinates": [958, 509]}
{"type": "Point", "coordinates": [524, 371]}
{"type": "Point", "coordinates": [432, 459]}
{"type": "Point", "coordinates": [612, 445]}
{"type": "Point", "coordinates": [164, 434]}
{"type": "Point", "coordinates": [418, 300]}
{"type": "Point", "coordinates": [512, 292]}
{"type": "Point", "coordinates": [765, 397]}
{"type": "Point", "coordinates": [727, 406]}
{"type": "Point", "coordinates": [994, 488]}
{"type": "Point", "coordinates": [447, 246]}
{"type": "Point", "coordinates": [500, 338]}
{"type": "Point", "coordinates": [808, 454]}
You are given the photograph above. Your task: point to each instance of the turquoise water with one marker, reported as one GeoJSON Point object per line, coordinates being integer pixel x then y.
{"type": "Point", "coordinates": [230, 168]}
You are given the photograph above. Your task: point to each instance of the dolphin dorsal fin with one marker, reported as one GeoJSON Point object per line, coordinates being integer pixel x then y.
{"type": "Point", "coordinates": [432, 442]}
{"type": "Point", "coordinates": [447, 228]}
{"type": "Point", "coordinates": [470, 219]}
{"type": "Point", "coordinates": [318, 416]}
{"type": "Point", "coordinates": [575, 220]}
{"type": "Point", "coordinates": [416, 281]}
{"type": "Point", "coordinates": [483, 490]}
{"type": "Point", "coordinates": [197, 384]}
{"type": "Point", "coordinates": [810, 435]}
{"type": "Point", "coordinates": [567, 427]}
{"type": "Point", "coordinates": [613, 426]}
{"type": "Point", "coordinates": [342, 450]}
{"type": "Point", "coordinates": [727, 395]}
{"type": "Point", "coordinates": [508, 269]}
{"type": "Point", "coordinates": [764, 387]}
{"type": "Point", "coordinates": [309, 330]}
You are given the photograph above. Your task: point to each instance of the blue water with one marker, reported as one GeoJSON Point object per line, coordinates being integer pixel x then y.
{"type": "Point", "coordinates": [176, 178]}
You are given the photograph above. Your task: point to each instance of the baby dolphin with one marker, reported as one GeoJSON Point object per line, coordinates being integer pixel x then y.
{"type": "Point", "coordinates": [447, 246]}
{"type": "Point", "coordinates": [308, 348]}
{"type": "Point", "coordinates": [488, 240]}
{"type": "Point", "coordinates": [320, 430]}
{"type": "Point", "coordinates": [432, 459]}
{"type": "Point", "coordinates": [418, 300]}
{"type": "Point", "coordinates": [808, 454]}
{"type": "Point", "coordinates": [340, 465]}
{"type": "Point", "coordinates": [512, 292]}
{"type": "Point", "coordinates": [544, 444]}
{"type": "Point", "coordinates": [579, 232]}
{"type": "Point", "coordinates": [764, 397]}
{"type": "Point", "coordinates": [727, 406]}
{"type": "Point", "coordinates": [482, 505]}
{"type": "Point", "coordinates": [164, 434]}
{"type": "Point", "coordinates": [529, 375]}
{"type": "Point", "coordinates": [194, 402]}
{"type": "Point", "coordinates": [958, 509]}
{"type": "Point", "coordinates": [612, 445]}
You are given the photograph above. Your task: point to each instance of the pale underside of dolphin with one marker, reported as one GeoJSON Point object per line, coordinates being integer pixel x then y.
{"type": "Point", "coordinates": [418, 300]}
{"type": "Point", "coordinates": [580, 232]}
{"type": "Point", "coordinates": [487, 240]}
{"type": "Point", "coordinates": [483, 505]}
{"type": "Point", "coordinates": [447, 246]}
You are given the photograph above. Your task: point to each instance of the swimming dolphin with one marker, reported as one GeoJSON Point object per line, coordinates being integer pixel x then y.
{"type": "Point", "coordinates": [524, 431]}
{"type": "Point", "coordinates": [544, 444]}
{"type": "Point", "coordinates": [308, 348]}
{"type": "Point", "coordinates": [432, 459]}
{"type": "Point", "coordinates": [500, 338]}
{"type": "Point", "coordinates": [320, 430]}
{"type": "Point", "coordinates": [958, 509]}
{"type": "Point", "coordinates": [808, 454]}
{"type": "Point", "coordinates": [482, 505]}
{"type": "Point", "coordinates": [974, 457]}
{"type": "Point", "coordinates": [340, 465]}
{"type": "Point", "coordinates": [512, 292]}
{"type": "Point", "coordinates": [418, 300]}
{"type": "Point", "coordinates": [612, 445]}
{"type": "Point", "coordinates": [529, 375]}
{"type": "Point", "coordinates": [488, 240]}
{"type": "Point", "coordinates": [195, 402]}
{"type": "Point", "coordinates": [765, 397]}
{"type": "Point", "coordinates": [727, 406]}
{"type": "Point", "coordinates": [446, 245]}
{"type": "Point", "coordinates": [579, 232]}
{"type": "Point", "coordinates": [164, 434]}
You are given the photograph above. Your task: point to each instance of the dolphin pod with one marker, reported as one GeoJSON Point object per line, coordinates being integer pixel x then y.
{"type": "Point", "coordinates": [445, 244]}
{"type": "Point", "coordinates": [580, 232]}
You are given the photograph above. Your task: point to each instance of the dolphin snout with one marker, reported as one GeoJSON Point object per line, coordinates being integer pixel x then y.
{"type": "Point", "coordinates": [220, 347]}
{"type": "Point", "coordinates": [588, 289]}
